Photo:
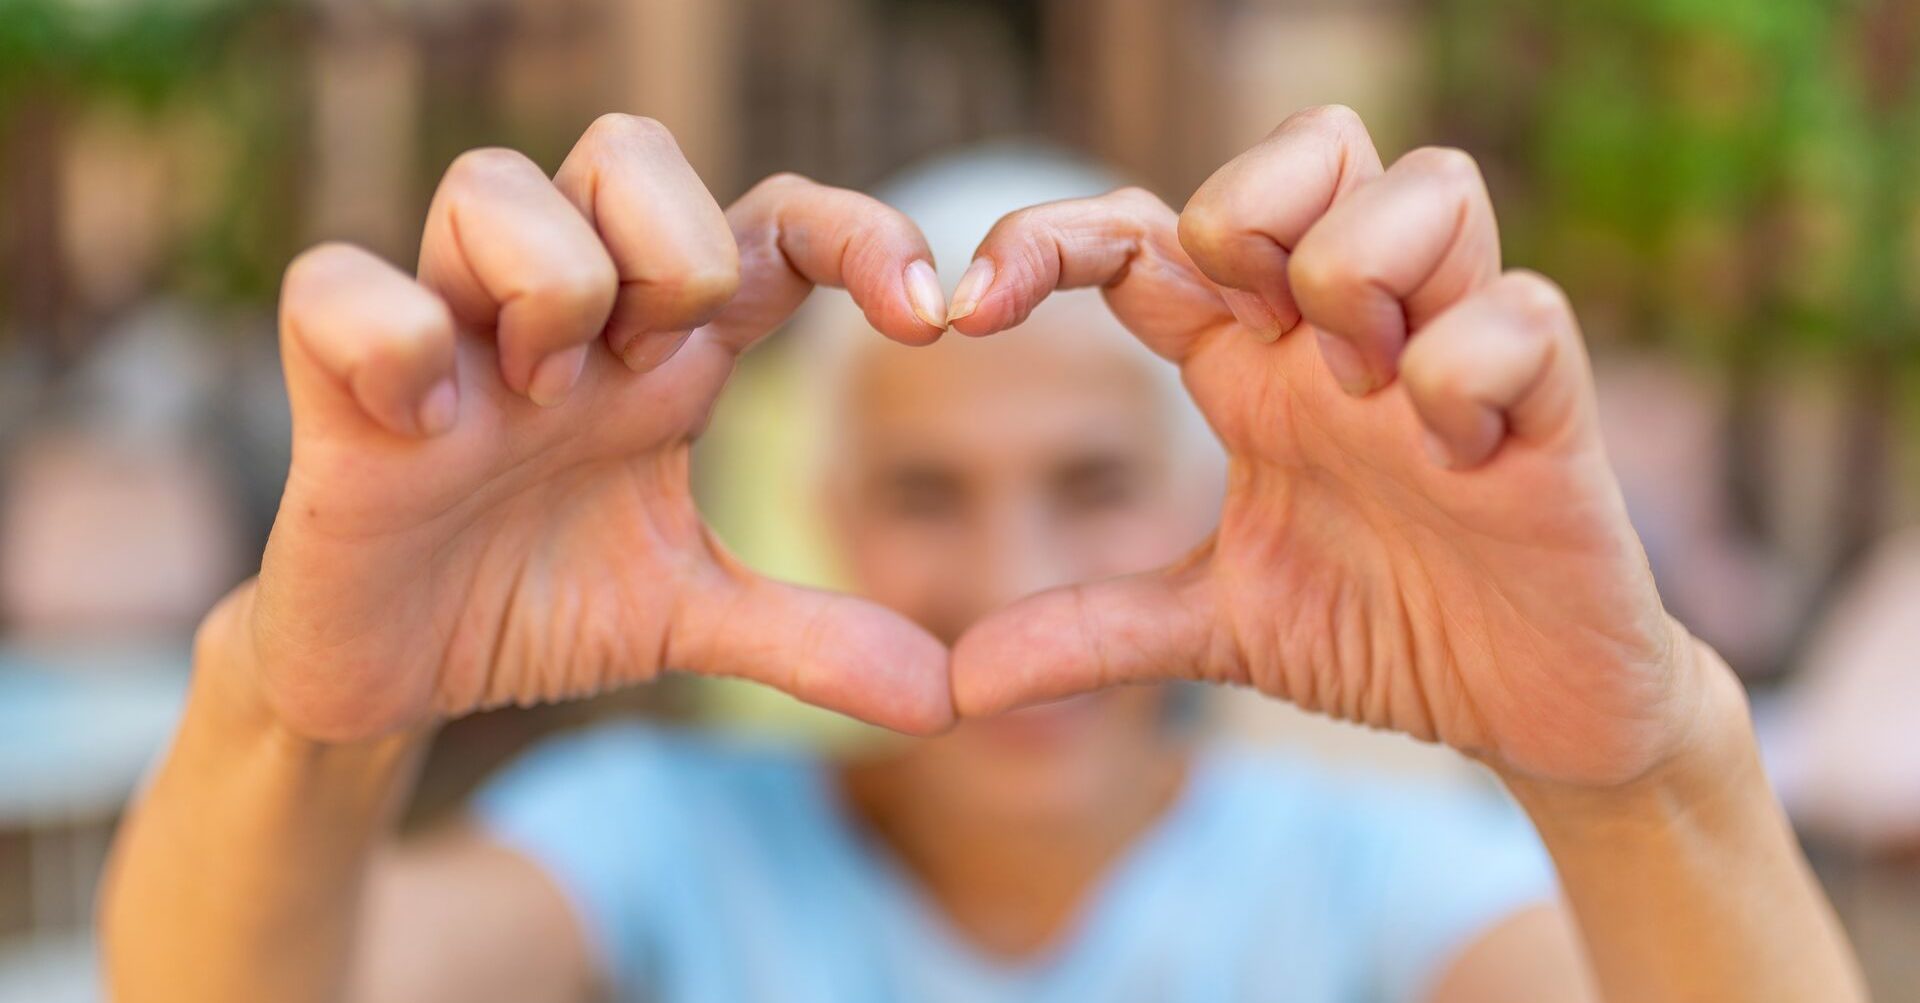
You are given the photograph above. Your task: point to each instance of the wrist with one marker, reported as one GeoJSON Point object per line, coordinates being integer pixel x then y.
{"type": "Point", "coordinates": [1710, 761]}
{"type": "Point", "coordinates": [228, 690]}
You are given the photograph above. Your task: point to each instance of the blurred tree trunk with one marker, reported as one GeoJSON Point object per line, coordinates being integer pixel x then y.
{"type": "Point", "coordinates": [1890, 43]}
{"type": "Point", "coordinates": [364, 85]}
{"type": "Point", "coordinates": [30, 240]}
{"type": "Point", "coordinates": [1136, 83]}
{"type": "Point", "coordinates": [1885, 329]}
{"type": "Point", "coordinates": [681, 72]}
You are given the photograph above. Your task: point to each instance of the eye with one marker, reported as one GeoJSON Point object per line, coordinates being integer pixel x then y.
{"type": "Point", "coordinates": [921, 495]}
{"type": "Point", "coordinates": [1099, 485]}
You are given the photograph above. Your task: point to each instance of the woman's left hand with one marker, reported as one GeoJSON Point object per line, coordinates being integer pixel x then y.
{"type": "Point", "coordinates": [1421, 530]}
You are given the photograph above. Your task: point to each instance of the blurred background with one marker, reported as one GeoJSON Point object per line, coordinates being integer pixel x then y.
{"type": "Point", "coordinates": [1730, 191]}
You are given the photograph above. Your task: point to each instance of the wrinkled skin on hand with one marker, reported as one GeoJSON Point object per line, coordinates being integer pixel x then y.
{"type": "Point", "coordinates": [489, 502]}
{"type": "Point", "coordinates": [1421, 530]}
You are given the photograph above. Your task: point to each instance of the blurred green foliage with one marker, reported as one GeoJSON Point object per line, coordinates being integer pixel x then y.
{"type": "Point", "coordinates": [1729, 175]}
{"type": "Point", "coordinates": [224, 60]}
{"type": "Point", "coordinates": [138, 49]}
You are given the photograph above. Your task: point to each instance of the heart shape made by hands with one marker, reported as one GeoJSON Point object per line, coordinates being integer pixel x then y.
{"type": "Point", "coordinates": [490, 497]}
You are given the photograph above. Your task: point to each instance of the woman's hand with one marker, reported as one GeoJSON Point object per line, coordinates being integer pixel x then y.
{"type": "Point", "coordinates": [489, 501]}
{"type": "Point", "coordinates": [1421, 530]}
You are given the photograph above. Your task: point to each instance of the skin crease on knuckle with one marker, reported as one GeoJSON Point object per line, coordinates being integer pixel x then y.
{"type": "Point", "coordinates": [1335, 119]}
{"type": "Point", "coordinates": [582, 288]}
{"type": "Point", "coordinates": [614, 130]}
{"type": "Point", "coordinates": [1540, 302]}
{"type": "Point", "coordinates": [694, 292]}
{"type": "Point", "coordinates": [1319, 276]}
{"type": "Point", "coordinates": [476, 171]}
{"type": "Point", "coordinates": [1205, 232]}
{"type": "Point", "coordinates": [314, 264]}
{"type": "Point", "coordinates": [1456, 167]}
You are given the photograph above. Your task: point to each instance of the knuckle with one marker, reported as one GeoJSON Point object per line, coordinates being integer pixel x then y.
{"type": "Point", "coordinates": [1318, 273]}
{"type": "Point", "coordinates": [1018, 227]}
{"type": "Point", "coordinates": [586, 286]}
{"type": "Point", "coordinates": [1025, 218]}
{"type": "Point", "coordinates": [786, 181]}
{"type": "Point", "coordinates": [1140, 203]}
{"type": "Point", "coordinates": [1433, 374]}
{"type": "Point", "coordinates": [422, 324]}
{"type": "Point", "coordinates": [317, 262]}
{"type": "Point", "coordinates": [1335, 118]}
{"type": "Point", "coordinates": [1452, 165]}
{"type": "Point", "coordinates": [778, 188]}
{"type": "Point", "coordinates": [392, 350]}
{"type": "Point", "coordinates": [1205, 226]}
{"type": "Point", "coordinates": [1134, 197]}
{"type": "Point", "coordinates": [1537, 301]}
{"type": "Point", "coordinates": [479, 168]}
{"type": "Point", "coordinates": [620, 127]}
{"type": "Point", "coordinates": [704, 287]}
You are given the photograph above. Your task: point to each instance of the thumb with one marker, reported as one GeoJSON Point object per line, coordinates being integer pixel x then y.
{"type": "Point", "coordinates": [1152, 627]}
{"type": "Point", "coordinates": [831, 650]}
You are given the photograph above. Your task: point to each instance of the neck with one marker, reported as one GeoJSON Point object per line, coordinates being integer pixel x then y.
{"type": "Point", "coordinates": [1011, 886]}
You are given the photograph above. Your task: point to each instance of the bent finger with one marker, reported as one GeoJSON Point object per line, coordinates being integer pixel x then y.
{"type": "Point", "coordinates": [795, 234]}
{"type": "Point", "coordinates": [1124, 242]}
{"type": "Point", "coordinates": [672, 251]}
{"type": "Point", "coordinates": [1242, 224]}
{"type": "Point", "coordinates": [1392, 256]}
{"type": "Point", "coordinates": [1506, 363]}
{"type": "Point", "coordinates": [362, 340]}
{"type": "Point", "coordinates": [511, 255]}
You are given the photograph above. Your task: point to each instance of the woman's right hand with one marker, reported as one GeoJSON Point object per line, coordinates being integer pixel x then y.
{"type": "Point", "coordinates": [489, 501]}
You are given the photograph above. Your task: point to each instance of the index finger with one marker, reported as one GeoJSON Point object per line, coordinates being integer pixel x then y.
{"type": "Point", "coordinates": [795, 234]}
{"type": "Point", "coordinates": [1123, 242]}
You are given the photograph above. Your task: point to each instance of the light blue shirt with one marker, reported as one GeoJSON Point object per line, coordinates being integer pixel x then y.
{"type": "Point", "coordinates": [706, 871]}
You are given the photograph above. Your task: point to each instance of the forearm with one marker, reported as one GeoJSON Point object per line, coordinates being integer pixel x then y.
{"type": "Point", "coordinates": [237, 875]}
{"type": "Point", "coordinates": [1689, 884]}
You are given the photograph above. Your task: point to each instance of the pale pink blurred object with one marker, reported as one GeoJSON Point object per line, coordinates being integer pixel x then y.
{"type": "Point", "coordinates": [1844, 738]}
{"type": "Point", "coordinates": [100, 538]}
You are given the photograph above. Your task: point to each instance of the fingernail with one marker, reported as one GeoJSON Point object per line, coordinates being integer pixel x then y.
{"type": "Point", "coordinates": [1437, 449]}
{"type": "Point", "coordinates": [973, 285]}
{"type": "Point", "coordinates": [555, 376]}
{"type": "Point", "coordinates": [1254, 314]}
{"type": "Point", "coordinates": [438, 408]}
{"type": "Point", "coordinates": [923, 291]}
{"type": "Point", "coordinates": [621, 339]}
{"type": "Point", "coordinates": [1489, 428]}
{"type": "Point", "coordinates": [1344, 362]}
{"type": "Point", "coordinates": [647, 352]}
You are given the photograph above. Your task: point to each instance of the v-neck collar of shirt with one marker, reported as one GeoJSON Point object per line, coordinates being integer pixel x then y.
{"type": "Point", "coordinates": [1129, 885]}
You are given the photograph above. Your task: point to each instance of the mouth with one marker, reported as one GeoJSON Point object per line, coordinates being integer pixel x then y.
{"type": "Point", "coordinates": [1046, 725]}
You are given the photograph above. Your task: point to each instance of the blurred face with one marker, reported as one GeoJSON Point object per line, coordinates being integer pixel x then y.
{"type": "Point", "coordinates": [976, 472]}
